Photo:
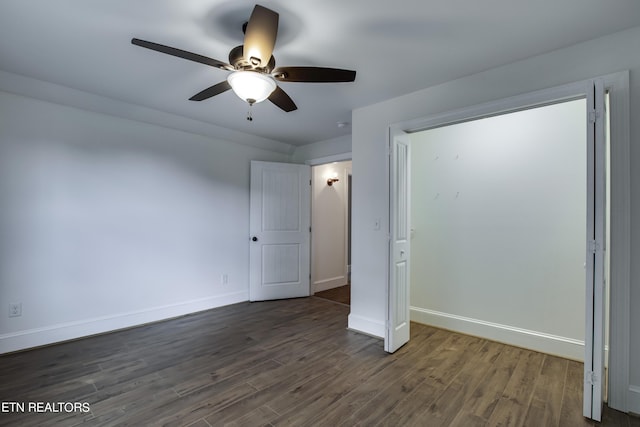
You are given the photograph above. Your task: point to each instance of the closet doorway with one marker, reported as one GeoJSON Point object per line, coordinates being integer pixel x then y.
{"type": "Point", "coordinates": [616, 85]}
{"type": "Point", "coordinates": [498, 227]}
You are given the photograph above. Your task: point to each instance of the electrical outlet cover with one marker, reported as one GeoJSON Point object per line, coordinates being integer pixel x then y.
{"type": "Point", "coordinates": [15, 309]}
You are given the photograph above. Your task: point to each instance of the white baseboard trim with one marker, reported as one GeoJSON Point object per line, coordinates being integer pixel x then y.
{"type": "Point", "coordinates": [37, 337]}
{"type": "Point", "coordinates": [366, 326]}
{"type": "Point", "coordinates": [333, 282]}
{"type": "Point", "coordinates": [539, 341]}
{"type": "Point", "coordinates": [634, 399]}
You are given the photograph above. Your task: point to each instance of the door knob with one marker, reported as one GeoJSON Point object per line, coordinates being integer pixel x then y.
{"type": "Point", "coordinates": [254, 238]}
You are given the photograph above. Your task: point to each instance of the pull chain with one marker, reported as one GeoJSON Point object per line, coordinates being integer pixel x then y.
{"type": "Point", "coordinates": [249, 117]}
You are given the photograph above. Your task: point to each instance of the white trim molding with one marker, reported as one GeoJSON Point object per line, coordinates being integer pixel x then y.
{"type": "Point", "coordinates": [344, 157]}
{"type": "Point", "coordinates": [366, 326]}
{"type": "Point", "coordinates": [634, 399]}
{"type": "Point", "coordinates": [330, 283]}
{"type": "Point", "coordinates": [617, 85]}
{"type": "Point", "coordinates": [534, 340]}
{"type": "Point", "coordinates": [37, 337]}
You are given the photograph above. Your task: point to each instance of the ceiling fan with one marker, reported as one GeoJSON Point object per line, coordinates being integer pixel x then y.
{"type": "Point", "coordinates": [253, 66]}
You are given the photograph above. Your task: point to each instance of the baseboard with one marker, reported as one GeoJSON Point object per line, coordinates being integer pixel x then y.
{"type": "Point", "coordinates": [539, 341]}
{"type": "Point", "coordinates": [325, 284]}
{"type": "Point", "coordinates": [634, 399]}
{"type": "Point", "coordinates": [366, 326]}
{"type": "Point", "coordinates": [30, 338]}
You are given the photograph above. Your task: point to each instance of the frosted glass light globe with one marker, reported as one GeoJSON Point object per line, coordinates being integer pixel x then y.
{"type": "Point", "coordinates": [251, 86]}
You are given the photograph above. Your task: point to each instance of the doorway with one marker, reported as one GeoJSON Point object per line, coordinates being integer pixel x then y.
{"type": "Point", "coordinates": [498, 226]}
{"type": "Point", "coordinates": [331, 230]}
{"type": "Point", "coordinates": [617, 85]}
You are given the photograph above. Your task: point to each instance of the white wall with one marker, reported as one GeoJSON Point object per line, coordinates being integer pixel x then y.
{"type": "Point", "coordinates": [499, 227]}
{"type": "Point", "coordinates": [107, 222]}
{"type": "Point", "coordinates": [332, 147]}
{"type": "Point", "coordinates": [370, 127]}
{"type": "Point", "coordinates": [329, 226]}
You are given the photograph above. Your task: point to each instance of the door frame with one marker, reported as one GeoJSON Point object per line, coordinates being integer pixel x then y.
{"type": "Point", "coordinates": [341, 186]}
{"type": "Point", "coordinates": [319, 161]}
{"type": "Point", "coordinates": [617, 85]}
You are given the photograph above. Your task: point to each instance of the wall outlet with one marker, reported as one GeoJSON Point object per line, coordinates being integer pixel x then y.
{"type": "Point", "coordinates": [15, 309]}
{"type": "Point", "coordinates": [224, 279]}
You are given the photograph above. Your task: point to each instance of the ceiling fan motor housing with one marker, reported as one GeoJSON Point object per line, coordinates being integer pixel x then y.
{"type": "Point", "coordinates": [239, 62]}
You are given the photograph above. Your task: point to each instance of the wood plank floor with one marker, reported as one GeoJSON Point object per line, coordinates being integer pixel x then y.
{"type": "Point", "coordinates": [341, 294]}
{"type": "Point", "coordinates": [292, 363]}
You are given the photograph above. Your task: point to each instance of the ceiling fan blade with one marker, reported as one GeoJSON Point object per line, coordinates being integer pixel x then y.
{"type": "Point", "coordinates": [280, 98]}
{"type": "Point", "coordinates": [260, 36]}
{"type": "Point", "coordinates": [182, 54]}
{"type": "Point", "coordinates": [313, 75]}
{"type": "Point", "coordinates": [211, 91]}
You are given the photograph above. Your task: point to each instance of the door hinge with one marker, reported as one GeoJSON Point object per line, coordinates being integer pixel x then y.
{"type": "Point", "coordinates": [593, 246]}
{"type": "Point", "coordinates": [590, 378]}
{"type": "Point", "coordinates": [593, 116]}
{"type": "Point", "coordinates": [309, 229]}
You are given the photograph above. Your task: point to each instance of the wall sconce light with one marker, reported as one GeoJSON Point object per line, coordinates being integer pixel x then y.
{"type": "Point", "coordinates": [333, 179]}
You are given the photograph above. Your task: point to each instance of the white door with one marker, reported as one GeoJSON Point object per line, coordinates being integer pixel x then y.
{"type": "Point", "coordinates": [279, 226]}
{"type": "Point", "coordinates": [397, 330]}
{"type": "Point", "coordinates": [595, 286]}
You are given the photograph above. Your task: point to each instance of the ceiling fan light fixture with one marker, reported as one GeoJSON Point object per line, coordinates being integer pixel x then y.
{"type": "Point", "coordinates": [253, 67]}
{"type": "Point", "coordinates": [251, 86]}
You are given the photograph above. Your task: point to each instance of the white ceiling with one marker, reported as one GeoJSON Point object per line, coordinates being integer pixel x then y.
{"type": "Point", "coordinates": [396, 47]}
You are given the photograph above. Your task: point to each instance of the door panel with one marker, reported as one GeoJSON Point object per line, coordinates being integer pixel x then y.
{"type": "Point", "coordinates": [280, 237]}
{"type": "Point", "coordinates": [595, 286]}
{"type": "Point", "coordinates": [280, 264]}
{"type": "Point", "coordinates": [397, 330]}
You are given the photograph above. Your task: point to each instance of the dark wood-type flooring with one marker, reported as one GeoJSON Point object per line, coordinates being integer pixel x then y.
{"type": "Point", "coordinates": [294, 363]}
{"type": "Point", "coordinates": [341, 294]}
